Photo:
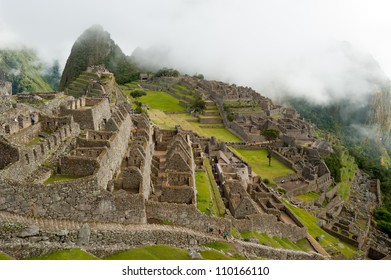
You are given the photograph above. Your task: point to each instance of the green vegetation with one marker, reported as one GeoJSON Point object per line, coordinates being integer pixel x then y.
{"type": "Point", "coordinates": [58, 178]}
{"type": "Point", "coordinates": [277, 242]}
{"type": "Point", "coordinates": [334, 163]}
{"type": "Point", "coordinates": [383, 219]}
{"type": "Point", "coordinates": [204, 199]}
{"type": "Point", "coordinates": [198, 105]}
{"type": "Point", "coordinates": [23, 68]}
{"type": "Point", "coordinates": [154, 252]}
{"type": "Point", "coordinates": [331, 244]}
{"type": "Point", "coordinates": [348, 170]}
{"type": "Point", "coordinates": [4, 256]}
{"type": "Point", "coordinates": [160, 100]}
{"type": "Point", "coordinates": [310, 196]}
{"type": "Point", "coordinates": [69, 254]}
{"type": "Point", "coordinates": [259, 162]}
{"type": "Point", "coordinates": [35, 141]}
{"type": "Point", "coordinates": [137, 93]}
{"type": "Point", "coordinates": [225, 249]}
{"type": "Point", "coordinates": [221, 246]}
{"type": "Point", "coordinates": [217, 203]}
{"type": "Point", "coordinates": [270, 134]}
{"type": "Point", "coordinates": [167, 72]}
{"type": "Point", "coordinates": [188, 122]}
{"type": "Point", "coordinates": [214, 255]}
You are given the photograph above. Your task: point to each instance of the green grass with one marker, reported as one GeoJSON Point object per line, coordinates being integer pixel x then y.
{"type": "Point", "coordinates": [69, 254]}
{"type": "Point", "coordinates": [34, 141]}
{"type": "Point", "coordinates": [330, 243]}
{"type": "Point", "coordinates": [225, 248]}
{"type": "Point", "coordinates": [154, 252]}
{"type": "Point", "coordinates": [4, 256]}
{"type": "Point", "coordinates": [59, 178]}
{"type": "Point", "coordinates": [277, 242]}
{"type": "Point", "coordinates": [221, 246]}
{"type": "Point", "coordinates": [188, 122]}
{"type": "Point", "coordinates": [214, 255]}
{"type": "Point", "coordinates": [217, 203]}
{"type": "Point", "coordinates": [310, 196]}
{"type": "Point", "coordinates": [347, 173]}
{"type": "Point", "coordinates": [160, 100]}
{"type": "Point", "coordinates": [259, 162]}
{"type": "Point", "coordinates": [204, 199]}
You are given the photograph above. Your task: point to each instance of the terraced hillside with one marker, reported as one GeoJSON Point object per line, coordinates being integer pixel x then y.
{"type": "Point", "coordinates": [169, 105]}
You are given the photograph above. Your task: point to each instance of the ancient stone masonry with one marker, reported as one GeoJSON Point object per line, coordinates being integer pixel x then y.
{"type": "Point", "coordinates": [81, 168]}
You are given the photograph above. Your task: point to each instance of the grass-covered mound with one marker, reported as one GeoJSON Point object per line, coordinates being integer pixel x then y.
{"type": "Point", "coordinates": [69, 254]}
{"type": "Point", "coordinates": [154, 252]}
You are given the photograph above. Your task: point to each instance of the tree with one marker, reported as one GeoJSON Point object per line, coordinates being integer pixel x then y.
{"type": "Point", "coordinates": [269, 156]}
{"type": "Point", "coordinates": [137, 93]}
{"type": "Point", "coordinates": [198, 105]}
{"type": "Point", "coordinates": [271, 134]}
{"type": "Point", "coordinates": [167, 72]}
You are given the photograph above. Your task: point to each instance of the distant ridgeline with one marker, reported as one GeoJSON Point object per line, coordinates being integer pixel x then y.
{"type": "Point", "coordinates": [23, 68]}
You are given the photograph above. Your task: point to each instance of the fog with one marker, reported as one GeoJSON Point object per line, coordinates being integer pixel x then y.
{"type": "Point", "coordinates": [323, 50]}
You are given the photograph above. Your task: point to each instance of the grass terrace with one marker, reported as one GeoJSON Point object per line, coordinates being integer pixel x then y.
{"type": "Point", "coordinates": [259, 162]}
{"type": "Point", "coordinates": [310, 196]}
{"type": "Point", "coordinates": [188, 122]}
{"type": "Point", "coordinates": [154, 252]}
{"type": "Point", "coordinates": [60, 178]}
{"type": "Point", "coordinates": [69, 254]}
{"type": "Point", "coordinates": [277, 242]}
{"type": "Point", "coordinates": [331, 244]}
{"type": "Point", "coordinates": [4, 256]}
{"type": "Point", "coordinates": [347, 173]}
{"type": "Point", "coordinates": [160, 100]}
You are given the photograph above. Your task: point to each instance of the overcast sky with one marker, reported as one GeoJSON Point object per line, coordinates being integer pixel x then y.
{"type": "Point", "coordinates": [261, 43]}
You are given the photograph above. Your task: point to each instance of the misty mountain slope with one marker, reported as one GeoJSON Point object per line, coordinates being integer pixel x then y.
{"type": "Point", "coordinates": [23, 68]}
{"type": "Point", "coordinates": [95, 47]}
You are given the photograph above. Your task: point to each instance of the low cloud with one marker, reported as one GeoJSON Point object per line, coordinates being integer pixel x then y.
{"type": "Point", "coordinates": [275, 47]}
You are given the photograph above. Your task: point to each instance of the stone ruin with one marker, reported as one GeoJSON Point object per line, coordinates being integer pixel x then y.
{"type": "Point", "coordinates": [79, 159]}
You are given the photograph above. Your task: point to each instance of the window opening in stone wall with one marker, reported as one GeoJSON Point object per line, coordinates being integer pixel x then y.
{"type": "Point", "coordinates": [27, 158]}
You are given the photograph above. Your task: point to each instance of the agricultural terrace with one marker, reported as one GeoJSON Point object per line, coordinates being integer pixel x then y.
{"type": "Point", "coordinates": [259, 163]}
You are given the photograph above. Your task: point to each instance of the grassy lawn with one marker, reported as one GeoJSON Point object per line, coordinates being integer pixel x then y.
{"type": "Point", "coordinates": [70, 254]}
{"type": "Point", "coordinates": [154, 252]}
{"type": "Point", "coordinates": [4, 256]}
{"type": "Point", "coordinates": [347, 173]}
{"type": "Point", "coordinates": [60, 178]}
{"type": "Point", "coordinates": [310, 196]}
{"type": "Point", "coordinates": [160, 100]}
{"type": "Point", "coordinates": [221, 246]}
{"type": "Point", "coordinates": [277, 242]}
{"type": "Point", "coordinates": [331, 244]}
{"type": "Point", "coordinates": [188, 122]}
{"type": "Point", "coordinates": [225, 248]}
{"type": "Point", "coordinates": [217, 203]}
{"type": "Point", "coordinates": [259, 162]}
{"type": "Point", "coordinates": [203, 192]}
{"type": "Point", "coordinates": [214, 255]}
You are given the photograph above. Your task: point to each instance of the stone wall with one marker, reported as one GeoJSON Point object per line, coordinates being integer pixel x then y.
{"type": "Point", "coordinates": [78, 200]}
{"type": "Point", "coordinates": [22, 238]}
{"type": "Point", "coordinates": [90, 116]}
{"type": "Point", "coordinates": [31, 157]}
{"type": "Point", "coordinates": [188, 216]}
